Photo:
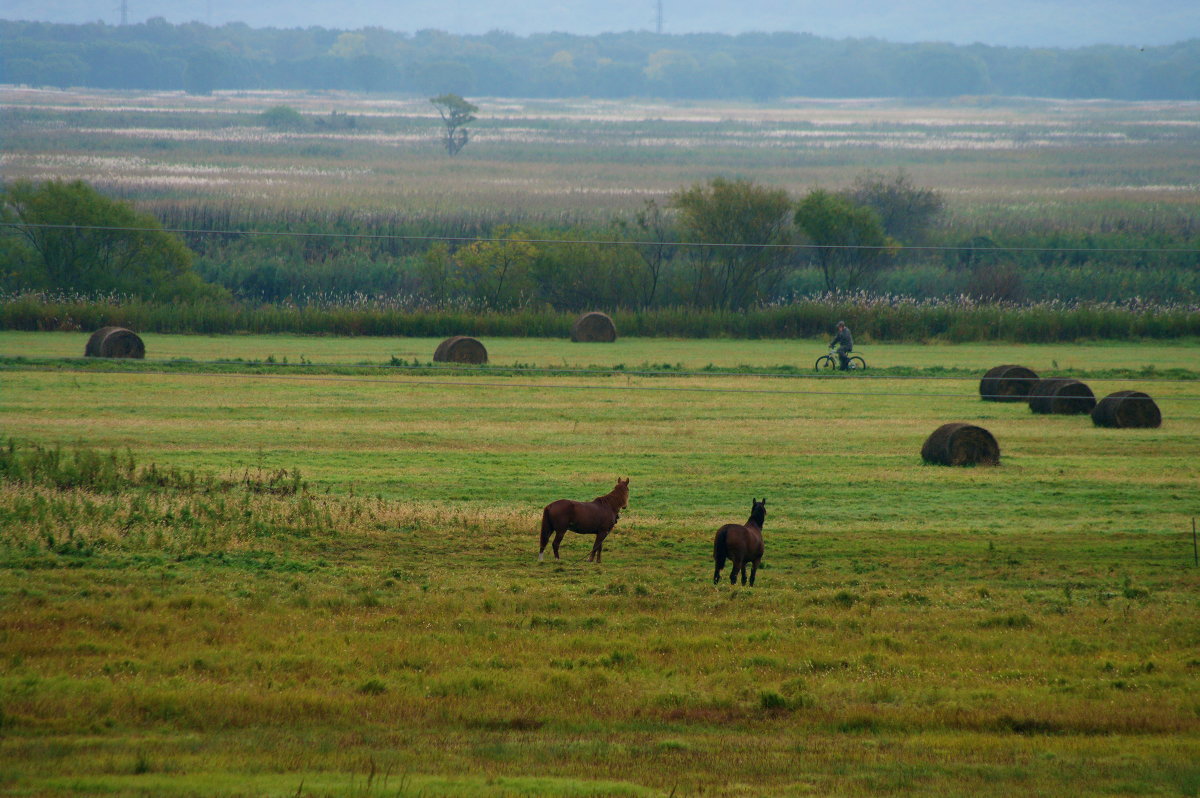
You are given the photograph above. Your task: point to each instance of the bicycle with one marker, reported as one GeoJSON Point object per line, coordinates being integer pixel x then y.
{"type": "Point", "coordinates": [830, 362]}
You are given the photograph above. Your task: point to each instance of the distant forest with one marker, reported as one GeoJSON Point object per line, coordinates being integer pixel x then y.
{"type": "Point", "coordinates": [200, 59]}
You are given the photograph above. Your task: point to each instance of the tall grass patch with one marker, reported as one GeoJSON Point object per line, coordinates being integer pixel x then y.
{"type": "Point", "coordinates": [880, 318]}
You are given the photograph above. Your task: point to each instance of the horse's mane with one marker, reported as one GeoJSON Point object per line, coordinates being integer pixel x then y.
{"type": "Point", "coordinates": [616, 498]}
{"type": "Point", "coordinates": [758, 513]}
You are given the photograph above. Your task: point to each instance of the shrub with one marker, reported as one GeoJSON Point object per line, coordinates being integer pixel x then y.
{"type": "Point", "coordinates": [283, 117]}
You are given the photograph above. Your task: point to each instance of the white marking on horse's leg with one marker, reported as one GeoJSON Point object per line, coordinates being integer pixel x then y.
{"type": "Point", "coordinates": [541, 556]}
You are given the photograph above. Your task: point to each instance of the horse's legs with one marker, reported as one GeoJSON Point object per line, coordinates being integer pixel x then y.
{"type": "Point", "coordinates": [753, 571]}
{"type": "Point", "coordinates": [738, 565]}
{"type": "Point", "coordinates": [558, 536]}
{"type": "Point", "coordinates": [597, 547]}
{"type": "Point", "coordinates": [717, 571]}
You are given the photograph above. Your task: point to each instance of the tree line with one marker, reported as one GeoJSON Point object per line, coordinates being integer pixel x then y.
{"type": "Point", "coordinates": [722, 245]}
{"type": "Point", "coordinates": [761, 66]}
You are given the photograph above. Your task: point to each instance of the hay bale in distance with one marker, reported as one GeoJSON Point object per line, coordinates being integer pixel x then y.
{"type": "Point", "coordinates": [958, 444]}
{"type": "Point", "coordinates": [594, 327]}
{"type": "Point", "coordinates": [1007, 384]}
{"type": "Point", "coordinates": [461, 349]}
{"type": "Point", "coordinates": [115, 342]}
{"type": "Point", "coordinates": [1061, 396]}
{"type": "Point", "coordinates": [92, 349]}
{"type": "Point", "coordinates": [1127, 409]}
{"type": "Point", "coordinates": [122, 343]}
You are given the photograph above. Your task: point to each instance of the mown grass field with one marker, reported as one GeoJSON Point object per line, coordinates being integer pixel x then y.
{"type": "Point", "coordinates": [631, 353]}
{"type": "Point", "coordinates": [1025, 629]}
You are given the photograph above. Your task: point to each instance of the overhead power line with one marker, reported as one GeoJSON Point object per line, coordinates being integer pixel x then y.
{"type": "Point", "coordinates": [595, 242]}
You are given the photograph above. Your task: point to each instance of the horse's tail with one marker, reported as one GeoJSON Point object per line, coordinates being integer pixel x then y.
{"type": "Point", "coordinates": [720, 547]}
{"type": "Point", "coordinates": [547, 526]}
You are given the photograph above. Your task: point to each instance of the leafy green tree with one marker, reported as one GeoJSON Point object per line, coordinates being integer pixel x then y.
{"type": "Point", "coordinates": [70, 237]}
{"type": "Point", "coordinates": [939, 70]}
{"type": "Point", "coordinates": [349, 45]}
{"type": "Point", "coordinates": [673, 72]}
{"type": "Point", "coordinates": [436, 273]}
{"type": "Point", "coordinates": [571, 272]}
{"type": "Point", "coordinates": [848, 240]}
{"type": "Point", "coordinates": [456, 114]}
{"type": "Point", "coordinates": [743, 230]}
{"type": "Point", "coordinates": [1092, 75]}
{"type": "Point", "coordinates": [907, 211]}
{"type": "Point", "coordinates": [372, 73]}
{"type": "Point", "coordinates": [496, 272]}
{"type": "Point", "coordinates": [204, 72]}
{"type": "Point", "coordinates": [760, 79]}
{"type": "Point", "coordinates": [454, 76]}
{"type": "Point", "coordinates": [118, 65]}
{"type": "Point", "coordinates": [283, 117]}
{"type": "Point", "coordinates": [656, 239]}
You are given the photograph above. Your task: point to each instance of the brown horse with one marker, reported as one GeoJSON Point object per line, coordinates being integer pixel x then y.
{"type": "Point", "coordinates": [596, 517]}
{"type": "Point", "coordinates": [741, 543]}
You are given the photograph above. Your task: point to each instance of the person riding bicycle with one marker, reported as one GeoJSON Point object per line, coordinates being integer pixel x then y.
{"type": "Point", "coordinates": [844, 343]}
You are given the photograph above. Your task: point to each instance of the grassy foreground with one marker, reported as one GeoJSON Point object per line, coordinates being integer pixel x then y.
{"type": "Point", "coordinates": [1025, 629]}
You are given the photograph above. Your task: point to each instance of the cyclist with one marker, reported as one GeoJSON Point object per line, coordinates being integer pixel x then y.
{"type": "Point", "coordinates": [844, 343]}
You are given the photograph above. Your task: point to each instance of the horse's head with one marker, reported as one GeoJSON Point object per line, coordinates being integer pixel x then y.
{"type": "Point", "coordinates": [758, 511]}
{"type": "Point", "coordinates": [621, 494]}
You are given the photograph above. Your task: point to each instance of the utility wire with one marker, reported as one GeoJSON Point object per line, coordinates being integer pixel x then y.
{"type": "Point", "coordinates": [595, 242]}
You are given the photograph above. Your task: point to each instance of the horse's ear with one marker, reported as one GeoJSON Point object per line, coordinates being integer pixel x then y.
{"type": "Point", "coordinates": [623, 481]}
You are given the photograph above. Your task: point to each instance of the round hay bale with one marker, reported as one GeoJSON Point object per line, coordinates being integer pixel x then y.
{"type": "Point", "coordinates": [1007, 384]}
{"type": "Point", "coordinates": [958, 444]}
{"type": "Point", "coordinates": [1061, 396]}
{"type": "Point", "coordinates": [461, 349]}
{"type": "Point", "coordinates": [1127, 409]}
{"type": "Point", "coordinates": [594, 327]}
{"type": "Point", "coordinates": [92, 349]}
{"type": "Point", "coordinates": [114, 342]}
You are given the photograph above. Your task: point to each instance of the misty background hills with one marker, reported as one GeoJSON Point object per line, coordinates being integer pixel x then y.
{"type": "Point", "coordinates": [1035, 23]}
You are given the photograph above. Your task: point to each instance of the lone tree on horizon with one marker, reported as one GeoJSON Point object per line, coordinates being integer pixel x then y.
{"type": "Point", "coordinates": [456, 114]}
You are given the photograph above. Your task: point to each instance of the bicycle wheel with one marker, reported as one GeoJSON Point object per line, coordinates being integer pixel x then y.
{"type": "Point", "coordinates": [826, 363]}
{"type": "Point", "coordinates": [857, 362]}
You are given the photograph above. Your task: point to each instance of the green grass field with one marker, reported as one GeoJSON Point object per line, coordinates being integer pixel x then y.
{"type": "Point", "coordinates": [1028, 629]}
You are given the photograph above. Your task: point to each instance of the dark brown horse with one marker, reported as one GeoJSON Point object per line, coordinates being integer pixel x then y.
{"type": "Point", "coordinates": [596, 517]}
{"type": "Point", "coordinates": [741, 543]}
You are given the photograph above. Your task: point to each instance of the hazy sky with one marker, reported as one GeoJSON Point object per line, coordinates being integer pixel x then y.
{"type": "Point", "coordinates": [1064, 23]}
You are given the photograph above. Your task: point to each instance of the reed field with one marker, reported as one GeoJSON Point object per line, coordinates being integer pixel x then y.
{"type": "Point", "coordinates": [1039, 161]}
{"type": "Point", "coordinates": [315, 580]}
{"type": "Point", "coordinates": [888, 319]}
